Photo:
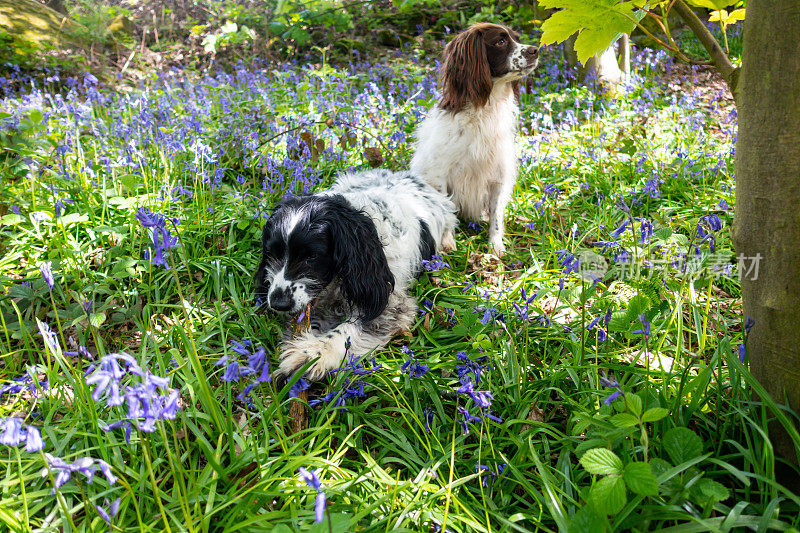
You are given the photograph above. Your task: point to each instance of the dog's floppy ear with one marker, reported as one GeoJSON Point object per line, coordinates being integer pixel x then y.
{"type": "Point", "coordinates": [260, 288]}
{"type": "Point", "coordinates": [358, 257]}
{"type": "Point", "coordinates": [465, 73]}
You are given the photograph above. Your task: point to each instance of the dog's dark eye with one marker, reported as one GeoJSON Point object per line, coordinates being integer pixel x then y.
{"type": "Point", "coordinates": [501, 42]}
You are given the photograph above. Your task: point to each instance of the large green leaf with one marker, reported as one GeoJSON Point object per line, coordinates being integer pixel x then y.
{"type": "Point", "coordinates": [713, 5]}
{"type": "Point", "coordinates": [601, 461]}
{"type": "Point", "coordinates": [597, 22]}
{"type": "Point", "coordinates": [608, 494]}
{"type": "Point", "coordinates": [682, 444]}
{"type": "Point", "coordinates": [640, 479]}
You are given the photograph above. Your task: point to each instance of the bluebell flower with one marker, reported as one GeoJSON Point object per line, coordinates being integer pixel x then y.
{"type": "Point", "coordinates": [13, 434]}
{"type": "Point", "coordinates": [119, 424]}
{"type": "Point", "coordinates": [645, 230]}
{"type": "Point", "coordinates": [312, 480]}
{"type": "Point", "coordinates": [484, 473]}
{"type": "Point", "coordinates": [482, 399]}
{"type": "Point", "coordinates": [62, 470]}
{"type": "Point", "coordinates": [33, 440]}
{"type": "Point", "coordinates": [47, 274]}
{"type": "Point", "coordinates": [109, 515]}
{"type": "Point", "coordinates": [748, 324]}
{"type": "Point", "coordinates": [713, 222]}
{"type": "Point", "coordinates": [467, 418]}
{"type": "Point", "coordinates": [612, 397]}
{"type": "Point", "coordinates": [299, 385]}
{"type": "Point", "coordinates": [646, 330]}
{"type": "Point", "coordinates": [741, 352]}
{"type": "Point", "coordinates": [356, 366]}
{"type": "Point", "coordinates": [231, 371]}
{"type": "Point", "coordinates": [468, 366]}
{"type": "Point", "coordinates": [619, 231]}
{"type": "Point", "coordinates": [427, 413]}
{"type": "Point", "coordinates": [570, 261]}
{"type": "Point", "coordinates": [25, 383]}
{"type": "Point", "coordinates": [435, 263]}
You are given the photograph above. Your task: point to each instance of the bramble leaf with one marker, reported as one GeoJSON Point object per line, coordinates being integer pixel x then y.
{"type": "Point", "coordinates": [608, 494]}
{"type": "Point", "coordinates": [624, 420]}
{"type": "Point", "coordinates": [682, 444]}
{"type": "Point", "coordinates": [639, 477]}
{"type": "Point", "coordinates": [654, 413]}
{"type": "Point", "coordinates": [601, 461]}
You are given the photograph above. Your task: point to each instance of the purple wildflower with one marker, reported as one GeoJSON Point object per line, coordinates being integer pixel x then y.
{"type": "Point", "coordinates": [482, 399]}
{"type": "Point", "coordinates": [113, 508]}
{"type": "Point", "coordinates": [467, 418]}
{"type": "Point", "coordinates": [12, 435]}
{"type": "Point", "coordinates": [312, 480]}
{"type": "Point", "coordinates": [646, 329]}
{"type": "Point", "coordinates": [47, 274]}
{"type": "Point", "coordinates": [612, 397]}
{"type": "Point", "coordinates": [435, 263]}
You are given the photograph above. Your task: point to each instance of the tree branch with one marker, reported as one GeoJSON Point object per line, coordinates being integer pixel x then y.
{"type": "Point", "coordinates": [719, 58]}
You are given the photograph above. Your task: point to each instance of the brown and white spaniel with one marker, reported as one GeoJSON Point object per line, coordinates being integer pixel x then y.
{"type": "Point", "coordinates": [465, 147]}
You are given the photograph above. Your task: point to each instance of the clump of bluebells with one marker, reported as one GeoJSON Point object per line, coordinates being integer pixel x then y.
{"type": "Point", "coordinates": [118, 379]}
{"type": "Point", "coordinates": [27, 382]}
{"type": "Point", "coordinates": [412, 367]}
{"type": "Point", "coordinates": [435, 263]}
{"type": "Point", "coordinates": [255, 369]}
{"type": "Point", "coordinates": [162, 239]}
{"type": "Point", "coordinates": [14, 433]}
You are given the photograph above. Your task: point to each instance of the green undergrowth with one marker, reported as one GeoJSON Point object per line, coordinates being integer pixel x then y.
{"type": "Point", "coordinates": [603, 349]}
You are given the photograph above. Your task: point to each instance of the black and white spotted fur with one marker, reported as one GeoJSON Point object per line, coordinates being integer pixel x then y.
{"type": "Point", "coordinates": [352, 251]}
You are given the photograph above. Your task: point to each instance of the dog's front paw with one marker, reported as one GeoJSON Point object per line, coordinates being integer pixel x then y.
{"type": "Point", "coordinates": [295, 353]}
{"type": "Point", "coordinates": [497, 246]}
{"type": "Point", "coordinates": [448, 242]}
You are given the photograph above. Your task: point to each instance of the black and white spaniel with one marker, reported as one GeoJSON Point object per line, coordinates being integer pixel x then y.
{"type": "Point", "coordinates": [352, 252]}
{"type": "Point", "coordinates": [465, 146]}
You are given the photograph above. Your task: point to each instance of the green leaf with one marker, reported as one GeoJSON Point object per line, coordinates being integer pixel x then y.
{"type": "Point", "coordinates": [714, 5]}
{"type": "Point", "coordinates": [654, 413]}
{"type": "Point", "coordinates": [608, 494]}
{"type": "Point", "coordinates": [712, 490]}
{"type": "Point", "coordinates": [36, 116]}
{"type": "Point", "coordinates": [624, 420]}
{"type": "Point", "coordinates": [130, 181]}
{"type": "Point", "coordinates": [10, 219]}
{"type": "Point", "coordinates": [601, 461]}
{"type": "Point", "coordinates": [663, 233]}
{"type": "Point", "coordinates": [634, 403]}
{"type": "Point", "coordinates": [638, 305]}
{"type": "Point", "coordinates": [682, 444]}
{"type": "Point", "coordinates": [586, 520]}
{"type": "Point", "coordinates": [339, 523]}
{"type": "Point", "coordinates": [97, 319]}
{"type": "Point", "coordinates": [281, 528]}
{"type": "Point", "coordinates": [640, 479]}
{"type": "Point", "coordinates": [597, 22]}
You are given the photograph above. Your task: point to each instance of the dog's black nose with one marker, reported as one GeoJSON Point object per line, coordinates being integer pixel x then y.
{"type": "Point", "coordinates": [531, 52]}
{"type": "Point", "coordinates": [280, 301]}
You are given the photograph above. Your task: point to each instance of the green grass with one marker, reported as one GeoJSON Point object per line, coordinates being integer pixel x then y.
{"type": "Point", "coordinates": [686, 447]}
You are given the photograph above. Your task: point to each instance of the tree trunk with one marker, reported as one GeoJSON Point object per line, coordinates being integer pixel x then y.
{"type": "Point", "coordinates": [625, 56]}
{"type": "Point", "coordinates": [767, 220]}
{"type": "Point", "coordinates": [603, 65]}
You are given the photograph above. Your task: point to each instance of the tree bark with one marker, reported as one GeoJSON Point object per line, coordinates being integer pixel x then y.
{"type": "Point", "coordinates": [767, 220]}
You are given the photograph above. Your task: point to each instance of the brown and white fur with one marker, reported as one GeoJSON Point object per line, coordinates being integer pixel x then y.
{"type": "Point", "coordinates": [465, 147]}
